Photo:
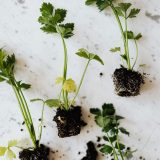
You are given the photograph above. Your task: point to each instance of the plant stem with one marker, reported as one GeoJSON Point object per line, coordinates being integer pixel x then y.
{"type": "Point", "coordinates": [136, 54]}
{"type": "Point", "coordinates": [127, 48]}
{"type": "Point", "coordinates": [120, 25]}
{"type": "Point", "coordinates": [114, 151]}
{"type": "Point", "coordinates": [64, 93]}
{"type": "Point", "coordinates": [42, 117]}
{"type": "Point", "coordinates": [25, 111]}
{"type": "Point", "coordinates": [81, 81]}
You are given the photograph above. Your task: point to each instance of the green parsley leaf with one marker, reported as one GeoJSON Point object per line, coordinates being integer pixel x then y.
{"type": "Point", "coordinates": [108, 109]}
{"type": "Point", "coordinates": [10, 154]}
{"type": "Point", "coordinates": [52, 19]}
{"type": "Point", "coordinates": [124, 131]}
{"type": "Point", "coordinates": [52, 103]}
{"type": "Point", "coordinates": [89, 2]}
{"type": "Point", "coordinates": [133, 13]}
{"type": "Point", "coordinates": [116, 49]}
{"type": "Point", "coordinates": [106, 149]}
{"type": "Point", "coordinates": [96, 111]}
{"type": "Point", "coordinates": [124, 6]}
{"type": "Point", "coordinates": [85, 54]}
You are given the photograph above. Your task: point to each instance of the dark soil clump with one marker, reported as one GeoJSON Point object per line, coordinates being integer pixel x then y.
{"type": "Point", "coordinates": [91, 153]}
{"type": "Point", "coordinates": [40, 153]}
{"type": "Point", "coordinates": [69, 122]}
{"type": "Point", "coordinates": [127, 82]}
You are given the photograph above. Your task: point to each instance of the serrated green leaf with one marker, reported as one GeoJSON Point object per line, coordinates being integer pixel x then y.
{"type": "Point", "coordinates": [102, 121]}
{"type": "Point", "coordinates": [95, 111]}
{"type": "Point", "coordinates": [117, 117]}
{"type": "Point", "coordinates": [106, 149]}
{"type": "Point", "coordinates": [85, 54]}
{"type": "Point", "coordinates": [46, 9]}
{"type": "Point", "coordinates": [60, 14]}
{"type": "Point", "coordinates": [124, 6]}
{"type": "Point", "coordinates": [111, 139]}
{"type": "Point", "coordinates": [120, 146]}
{"type": "Point", "coordinates": [52, 103]}
{"type": "Point", "coordinates": [124, 56]}
{"type": "Point", "coordinates": [96, 57]}
{"type": "Point", "coordinates": [12, 143]}
{"type": "Point", "coordinates": [67, 30]}
{"type": "Point", "coordinates": [124, 131]}
{"type": "Point", "coordinates": [130, 34]}
{"type": "Point", "coordinates": [10, 154]}
{"type": "Point", "coordinates": [119, 11]}
{"type": "Point", "coordinates": [102, 4]}
{"type": "Point", "coordinates": [138, 36]}
{"type": "Point", "coordinates": [108, 109]}
{"type": "Point", "coordinates": [133, 13]}
{"type": "Point", "coordinates": [116, 49]}
{"type": "Point", "coordinates": [3, 151]}
{"type": "Point", "coordinates": [89, 2]}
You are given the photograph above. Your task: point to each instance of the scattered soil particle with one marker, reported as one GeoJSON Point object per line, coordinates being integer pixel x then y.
{"type": "Point", "coordinates": [21, 130]}
{"type": "Point", "coordinates": [98, 139]}
{"type": "Point", "coordinates": [23, 122]}
{"type": "Point", "coordinates": [127, 82]}
{"type": "Point", "coordinates": [91, 153]}
{"type": "Point", "coordinates": [69, 122]}
{"type": "Point", "coordinates": [101, 74]}
{"type": "Point", "coordinates": [40, 153]}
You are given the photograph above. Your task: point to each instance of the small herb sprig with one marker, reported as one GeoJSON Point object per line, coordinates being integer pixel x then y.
{"type": "Point", "coordinates": [110, 124]}
{"type": "Point", "coordinates": [122, 10]}
{"type": "Point", "coordinates": [52, 22]}
{"type": "Point", "coordinates": [7, 64]}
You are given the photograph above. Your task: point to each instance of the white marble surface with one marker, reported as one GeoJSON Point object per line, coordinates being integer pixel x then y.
{"type": "Point", "coordinates": [39, 62]}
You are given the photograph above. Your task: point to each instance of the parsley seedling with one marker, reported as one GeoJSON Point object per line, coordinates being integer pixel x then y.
{"type": "Point", "coordinates": [52, 21]}
{"type": "Point", "coordinates": [122, 10]}
{"type": "Point", "coordinates": [110, 124]}
{"type": "Point", "coordinates": [7, 64]}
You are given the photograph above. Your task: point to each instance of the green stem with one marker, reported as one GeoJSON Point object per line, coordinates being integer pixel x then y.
{"type": "Point", "coordinates": [127, 48]}
{"type": "Point", "coordinates": [136, 54]}
{"type": "Point", "coordinates": [41, 124]}
{"type": "Point", "coordinates": [114, 151]}
{"type": "Point", "coordinates": [120, 25]}
{"type": "Point", "coordinates": [81, 81]}
{"type": "Point", "coordinates": [24, 113]}
{"type": "Point", "coordinates": [64, 93]}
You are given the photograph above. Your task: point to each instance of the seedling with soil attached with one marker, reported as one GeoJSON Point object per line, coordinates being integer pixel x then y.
{"type": "Point", "coordinates": [68, 117]}
{"type": "Point", "coordinates": [110, 124]}
{"type": "Point", "coordinates": [127, 81]}
{"type": "Point", "coordinates": [38, 150]}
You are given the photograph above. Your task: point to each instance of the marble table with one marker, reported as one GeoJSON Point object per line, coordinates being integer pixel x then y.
{"type": "Point", "coordinates": [40, 61]}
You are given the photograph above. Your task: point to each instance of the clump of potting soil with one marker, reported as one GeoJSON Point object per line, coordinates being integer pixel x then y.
{"type": "Point", "coordinates": [91, 153]}
{"type": "Point", "coordinates": [127, 82]}
{"type": "Point", "coordinates": [39, 153]}
{"type": "Point", "coordinates": [69, 122]}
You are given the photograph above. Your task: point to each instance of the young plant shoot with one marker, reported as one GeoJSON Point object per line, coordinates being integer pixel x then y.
{"type": "Point", "coordinates": [37, 151]}
{"type": "Point", "coordinates": [68, 117]}
{"type": "Point", "coordinates": [127, 81]}
{"type": "Point", "coordinates": [110, 124]}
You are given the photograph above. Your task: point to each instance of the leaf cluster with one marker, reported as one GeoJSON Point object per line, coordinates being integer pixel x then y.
{"type": "Point", "coordinates": [110, 124]}
{"type": "Point", "coordinates": [101, 4]}
{"type": "Point", "coordinates": [123, 10]}
{"type": "Point", "coordinates": [7, 63]}
{"type": "Point", "coordinates": [52, 21]}
{"type": "Point", "coordinates": [10, 155]}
